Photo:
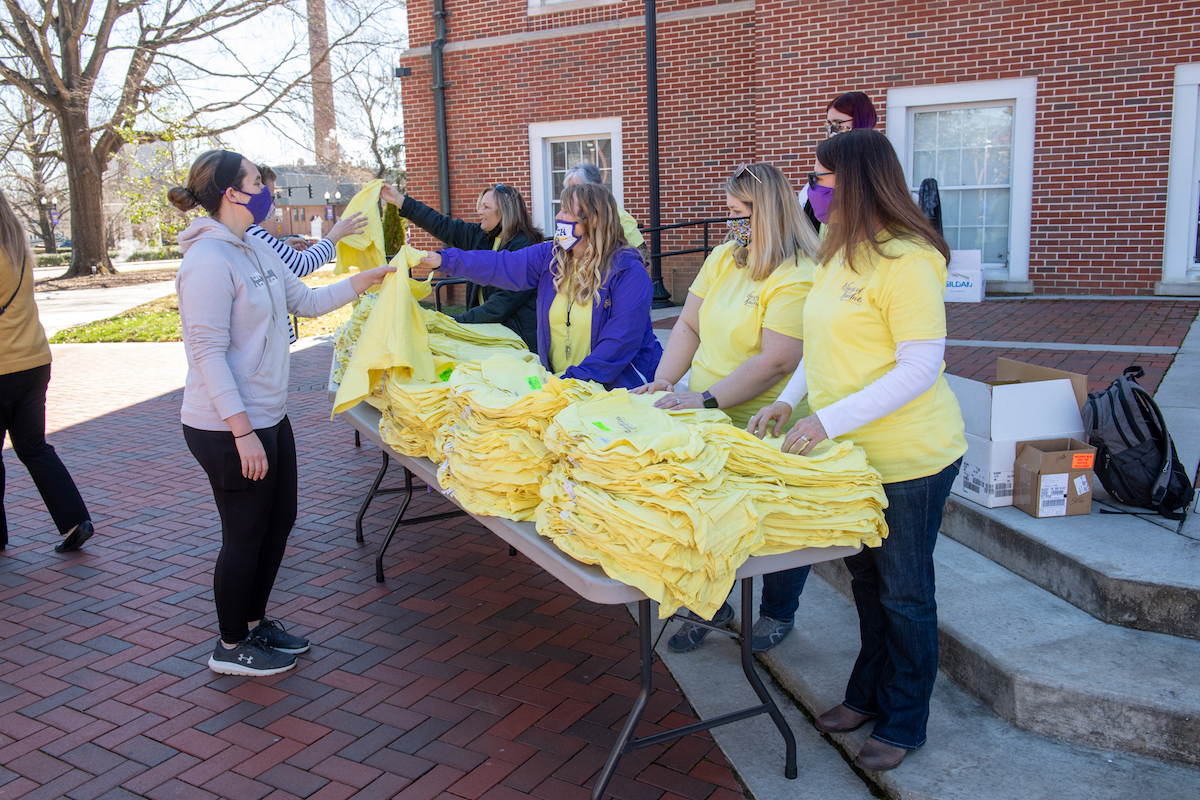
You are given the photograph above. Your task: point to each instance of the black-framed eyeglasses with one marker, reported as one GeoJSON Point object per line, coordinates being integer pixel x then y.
{"type": "Point", "coordinates": [501, 188]}
{"type": "Point", "coordinates": [835, 126]}
{"type": "Point", "coordinates": [814, 178]}
{"type": "Point", "coordinates": [746, 169]}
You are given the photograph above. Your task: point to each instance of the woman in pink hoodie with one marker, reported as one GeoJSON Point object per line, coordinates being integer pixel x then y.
{"type": "Point", "coordinates": [235, 295]}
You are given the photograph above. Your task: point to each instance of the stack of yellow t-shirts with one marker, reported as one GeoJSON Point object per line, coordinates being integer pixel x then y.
{"type": "Point", "coordinates": [417, 411]}
{"type": "Point", "coordinates": [642, 493]}
{"type": "Point", "coordinates": [393, 337]}
{"type": "Point", "coordinates": [662, 503]}
{"type": "Point", "coordinates": [495, 458]}
{"type": "Point", "coordinates": [829, 498]}
{"type": "Point", "coordinates": [346, 336]}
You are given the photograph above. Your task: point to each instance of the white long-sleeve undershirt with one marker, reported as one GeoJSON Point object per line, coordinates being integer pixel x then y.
{"type": "Point", "coordinates": [918, 364]}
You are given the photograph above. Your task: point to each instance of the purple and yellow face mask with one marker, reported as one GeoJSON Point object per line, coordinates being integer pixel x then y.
{"type": "Point", "coordinates": [566, 234]}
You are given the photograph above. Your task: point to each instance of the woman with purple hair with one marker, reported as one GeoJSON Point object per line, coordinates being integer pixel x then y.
{"type": "Point", "coordinates": [848, 111]}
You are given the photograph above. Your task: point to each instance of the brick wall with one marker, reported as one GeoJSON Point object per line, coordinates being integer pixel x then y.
{"type": "Point", "coordinates": [753, 85]}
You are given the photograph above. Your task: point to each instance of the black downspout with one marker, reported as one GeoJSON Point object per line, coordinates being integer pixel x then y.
{"type": "Point", "coordinates": [439, 104]}
{"type": "Point", "coordinates": [661, 298]}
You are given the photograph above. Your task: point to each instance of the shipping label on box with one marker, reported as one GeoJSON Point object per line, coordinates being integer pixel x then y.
{"type": "Point", "coordinates": [1054, 477]}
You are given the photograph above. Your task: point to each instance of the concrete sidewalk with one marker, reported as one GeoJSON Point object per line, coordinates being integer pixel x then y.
{"type": "Point", "coordinates": [66, 309]}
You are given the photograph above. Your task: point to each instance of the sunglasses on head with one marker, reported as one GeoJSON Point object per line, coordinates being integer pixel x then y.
{"type": "Point", "coordinates": [815, 177]}
{"type": "Point", "coordinates": [501, 188]}
{"type": "Point", "coordinates": [746, 169]}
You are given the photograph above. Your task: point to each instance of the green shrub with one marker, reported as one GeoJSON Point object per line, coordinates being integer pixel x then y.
{"type": "Point", "coordinates": [393, 230]}
{"type": "Point", "coordinates": [54, 259]}
{"type": "Point", "coordinates": [154, 255]}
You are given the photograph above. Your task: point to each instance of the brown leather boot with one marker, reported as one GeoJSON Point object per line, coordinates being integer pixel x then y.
{"type": "Point", "coordinates": [840, 719]}
{"type": "Point", "coordinates": [877, 756]}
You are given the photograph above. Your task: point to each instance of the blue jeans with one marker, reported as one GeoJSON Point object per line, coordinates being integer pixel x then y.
{"type": "Point", "coordinates": [781, 593]}
{"type": "Point", "coordinates": [893, 588]}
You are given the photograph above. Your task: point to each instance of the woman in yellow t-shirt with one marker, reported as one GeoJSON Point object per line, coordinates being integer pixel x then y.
{"type": "Point", "coordinates": [875, 337]}
{"type": "Point", "coordinates": [740, 335]}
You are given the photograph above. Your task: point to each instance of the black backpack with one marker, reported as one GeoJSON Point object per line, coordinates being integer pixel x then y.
{"type": "Point", "coordinates": [1135, 457]}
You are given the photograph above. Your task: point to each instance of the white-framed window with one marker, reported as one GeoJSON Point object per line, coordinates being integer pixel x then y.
{"type": "Point", "coordinates": [977, 140]}
{"type": "Point", "coordinates": [1181, 245]}
{"type": "Point", "coordinates": [536, 7]}
{"type": "Point", "coordinates": [555, 147]}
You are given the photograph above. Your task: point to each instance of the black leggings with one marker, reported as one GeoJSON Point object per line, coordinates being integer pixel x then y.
{"type": "Point", "coordinates": [23, 417]}
{"type": "Point", "coordinates": [256, 518]}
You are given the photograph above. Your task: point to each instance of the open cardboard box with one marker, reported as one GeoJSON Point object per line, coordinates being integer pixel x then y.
{"type": "Point", "coordinates": [1025, 403]}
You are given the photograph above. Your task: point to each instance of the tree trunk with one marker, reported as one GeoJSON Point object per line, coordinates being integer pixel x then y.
{"type": "Point", "coordinates": [47, 230]}
{"type": "Point", "coordinates": [85, 184]}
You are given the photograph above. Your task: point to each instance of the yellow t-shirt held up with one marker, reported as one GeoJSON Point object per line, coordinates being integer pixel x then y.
{"type": "Point", "coordinates": [852, 322]}
{"type": "Point", "coordinates": [732, 318]}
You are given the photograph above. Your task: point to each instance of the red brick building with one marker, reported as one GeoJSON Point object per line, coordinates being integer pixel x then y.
{"type": "Point", "coordinates": [1063, 134]}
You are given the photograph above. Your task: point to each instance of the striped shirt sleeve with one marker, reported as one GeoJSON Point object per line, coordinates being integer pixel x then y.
{"type": "Point", "coordinates": [301, 263]}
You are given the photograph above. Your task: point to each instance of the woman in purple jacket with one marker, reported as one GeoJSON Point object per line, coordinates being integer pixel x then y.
{"type": "Point", "coordinates": [593, 300]}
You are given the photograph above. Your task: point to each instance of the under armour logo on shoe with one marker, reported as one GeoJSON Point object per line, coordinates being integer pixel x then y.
{"type": "Point", "coordinates": [246, 658]}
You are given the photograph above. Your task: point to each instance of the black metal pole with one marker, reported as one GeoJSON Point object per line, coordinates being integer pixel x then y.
{"type": "Point", "coordinates": [662, 298]}
{"type": "Point", "coordinates": [439, 104]}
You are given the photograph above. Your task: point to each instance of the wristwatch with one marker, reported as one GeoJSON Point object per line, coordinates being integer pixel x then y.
{"type": "Point", "coordinates": [709, 400]}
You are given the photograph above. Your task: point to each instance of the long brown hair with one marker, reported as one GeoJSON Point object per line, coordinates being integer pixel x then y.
{"type": "Point", "coordinates": [778, 228]}
{"type": "Point", "coordinates": [13, 240]}
{"type": "Point", "coordinates": [514, 214]}
{"type": "Point", "coordinates": [871, 202]}
{"type": "Point", "coordinates": [596, 209]}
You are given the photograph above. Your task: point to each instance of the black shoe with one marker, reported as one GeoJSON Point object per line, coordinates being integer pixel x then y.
{"type": "Point", "coordinates": [251, 657]}
{"type": "Point", "coordinates": [691, 636]}
{"type": "Point", "coordinates": [75, 539]}
{"type": "Point", "coordinates": [274, 634]}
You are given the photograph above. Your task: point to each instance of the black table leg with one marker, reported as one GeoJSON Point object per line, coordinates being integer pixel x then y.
{"type": "Point", "coordinates": [747, 641]}
{"type": "Point", "coordinates": [400, 520]}
{"type": "Point", "coordinates": [625, 741]}
{"type": "Point", "coordinates": [358, 534]}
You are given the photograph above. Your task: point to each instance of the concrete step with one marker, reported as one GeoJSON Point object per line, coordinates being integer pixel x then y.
{"type": "Point", "coordinates": [971, 753]}
{"type": "Point", "coordinates": [1123, 570]}
{"type": "Point", "coordinates": [1045, 666]}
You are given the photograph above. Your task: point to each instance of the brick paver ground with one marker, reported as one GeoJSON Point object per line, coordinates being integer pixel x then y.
{"type": "Point", "coordinates": [1138, 323]}
{"type": "Point", "coordinates": [469, 674]}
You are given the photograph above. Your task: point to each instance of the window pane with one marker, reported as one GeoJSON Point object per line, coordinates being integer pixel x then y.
{"type": "Point", "coordinates": [949, 207]}
{"type": "Point", "coordinates": [996, 202]}
{"type": "Point", "coordinates": [974, 127]}
{"type": "Point", "coordinates": [949, 129]}
{"type": "Point", "coordinates": [558, 155]}
{"type": "Point", "coordinates": [970, 239]}
{"type": "Point", "coordinates": [567, 154]}
{"type": "Point", "coordinates": [951, 235]}
{"type": "Point", "coordinates": [925, 130]}
{"type": "Point", "coordinates": [995, 245]}
{"type": "Point", "coordinates": [999, 169]}
{"type": "Point", "coordinates": [948, 172]}
{"type": "Point", "coordinates": [973, 165]}
{"type": "Point", "coordinates": [1000, 126]}
{"type": "Point", "coordinates": [924, 165]}
{"type": "Point", "coordinates": [971, 210]}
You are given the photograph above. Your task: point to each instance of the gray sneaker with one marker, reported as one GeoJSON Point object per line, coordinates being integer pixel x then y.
{"type": "Point", "coordinates": [252, 657]}
{"type": "Point", "coordinates": [769, 632]}
{"type": "Point", "coordinates": [690, 636]}
{"type": "Point", "coordinates": [274, 634]}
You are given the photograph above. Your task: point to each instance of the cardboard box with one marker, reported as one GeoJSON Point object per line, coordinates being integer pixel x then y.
{"type": "Point", "coordinates": [965, 281]}
{"type": "Point", "coordinates": [1054, 477]}
{"type": "Point", "coordinates": [1025, 403]}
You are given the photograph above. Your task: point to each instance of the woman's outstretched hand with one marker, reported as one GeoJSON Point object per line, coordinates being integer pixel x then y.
{"type": "Point", "coordinates": [659, 385]}
{"type": "Point", "coordinates": [770, 419]}
{"type": "Point", "coordinates": [389, 194]}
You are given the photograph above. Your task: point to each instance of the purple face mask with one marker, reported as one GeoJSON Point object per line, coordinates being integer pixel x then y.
{"type": "Point", "coordinates": [821, 197]}
{"type": "Point", "coordinates": [259, 204]}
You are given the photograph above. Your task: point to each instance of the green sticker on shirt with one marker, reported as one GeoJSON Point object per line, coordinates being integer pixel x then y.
{"type": "Point", "coordinates": [533, 382]}
{"type": "Point", "coordinates": [444, 375]}
{"type": "Point", "coordinates": [601, 426]}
